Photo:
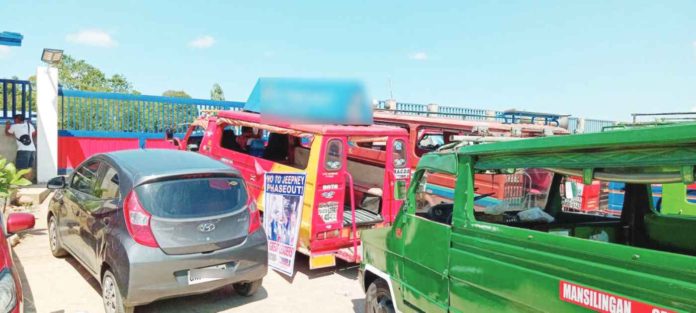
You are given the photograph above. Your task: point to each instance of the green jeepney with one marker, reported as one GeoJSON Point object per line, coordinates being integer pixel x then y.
{"type": "Point", "coordinates": [459, 251]}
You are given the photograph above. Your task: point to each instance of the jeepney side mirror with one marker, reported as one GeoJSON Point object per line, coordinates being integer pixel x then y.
{"type": "Point", "coordinates": [400, 190]}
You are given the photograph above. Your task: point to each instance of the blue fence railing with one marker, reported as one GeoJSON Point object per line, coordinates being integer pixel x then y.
{"type": "Point", "coordinates": [111, 112]}
{"type": "Point", "coordinates": [16, 98]}
{"type": "Point", "coordinates": [591, 125]}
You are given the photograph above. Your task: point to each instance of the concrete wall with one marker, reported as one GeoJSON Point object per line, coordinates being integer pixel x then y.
{"type": "Point", "coordinates": [8, 145]}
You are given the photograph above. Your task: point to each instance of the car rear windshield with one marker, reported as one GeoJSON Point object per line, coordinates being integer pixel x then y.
{"type": "Point", "coordinates": [190, 198]}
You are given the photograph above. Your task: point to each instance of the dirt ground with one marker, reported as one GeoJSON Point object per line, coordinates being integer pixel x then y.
{"type": "Point", "coordinates": [54, 285]}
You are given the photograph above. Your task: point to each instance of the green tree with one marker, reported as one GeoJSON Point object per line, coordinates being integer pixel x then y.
{"type": "Point", "coordinates": [216, 93]}
{"type": "Point", "coordinates": [80, 75]}
{"type": "Point", "coordinates": [176, 94]}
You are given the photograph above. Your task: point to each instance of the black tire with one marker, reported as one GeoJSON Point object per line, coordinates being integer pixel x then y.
{"type": "Point", "coordinates": [247, 289]}
{"type": "Point", "coordinates": [54, 242]}
{"type": "Point", "coordinates": [111, 295]}
{"type": "Point", "coordinates": [378, 298]}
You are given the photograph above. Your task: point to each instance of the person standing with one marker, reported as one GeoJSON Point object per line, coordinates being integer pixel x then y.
{"type": "Point", "coordinates": [25, 135]}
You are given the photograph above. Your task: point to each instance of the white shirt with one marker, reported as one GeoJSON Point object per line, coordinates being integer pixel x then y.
{"type": "Point", "coordinates": [21, 129]}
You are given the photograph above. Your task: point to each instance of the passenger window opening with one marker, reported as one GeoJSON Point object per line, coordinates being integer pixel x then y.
{"type": "Point", "coordinates": [434, 201]}
{"type": "Point", "coordinates": [399, 153]}
{"type": "Point", "coordinates": [278, 147]}
{"type": "Point", "coordinates": [558, 203]}
{"type": "Point", "coordinates": [229, 139]}
{"type": "Point", "coordinates": [195, 138]}
{"type": "Point", "coordinates": [333, 161]}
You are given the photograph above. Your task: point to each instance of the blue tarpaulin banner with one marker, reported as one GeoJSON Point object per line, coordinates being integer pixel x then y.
{"type": "Point", "coordinates": [11, 39]}
{"type": "Point", "coordinates": [311, 101]}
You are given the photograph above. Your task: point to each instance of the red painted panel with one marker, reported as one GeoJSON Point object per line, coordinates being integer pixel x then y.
{"type": "Point", "coordinates": [159, 144]}
{"type": "Point", "coordinates": [73, 150]}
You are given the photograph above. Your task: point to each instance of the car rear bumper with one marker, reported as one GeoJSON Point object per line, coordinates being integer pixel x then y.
{"type": "Point", "coordinates": [154, 275]}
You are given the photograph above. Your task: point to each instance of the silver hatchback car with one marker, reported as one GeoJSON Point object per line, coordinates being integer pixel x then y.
{"type": "Point", "coordinates": [155, 224]}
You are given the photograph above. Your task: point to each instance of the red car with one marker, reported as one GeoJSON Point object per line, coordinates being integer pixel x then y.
{"type": "Point", "coordinates": [10, 287]}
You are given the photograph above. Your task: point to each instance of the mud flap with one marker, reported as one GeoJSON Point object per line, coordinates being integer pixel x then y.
{"type": "Point", "coordinates": [321, 261]}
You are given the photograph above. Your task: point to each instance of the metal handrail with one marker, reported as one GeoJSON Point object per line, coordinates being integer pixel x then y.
{"type": "Point", "coordinates": [352, 211]}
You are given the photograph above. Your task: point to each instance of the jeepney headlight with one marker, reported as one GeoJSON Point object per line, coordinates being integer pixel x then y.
{"type": "Point", "coordinates": [8, 291]}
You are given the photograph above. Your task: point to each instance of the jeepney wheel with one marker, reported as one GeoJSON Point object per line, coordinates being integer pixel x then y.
{"type": "Point", "coordinates": [378, 298]}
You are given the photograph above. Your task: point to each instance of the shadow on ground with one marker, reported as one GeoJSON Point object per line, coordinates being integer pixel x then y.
{"type": "Point", "coordinates": [29, 306]}
{"type": "Point", "coordinates": [86, 275]}
{"type": "Point", "coordinates": [216, 301]}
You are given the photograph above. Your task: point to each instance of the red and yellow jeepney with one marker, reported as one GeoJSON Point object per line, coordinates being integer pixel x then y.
{"type": "Point", "coordinates": [354, 173]}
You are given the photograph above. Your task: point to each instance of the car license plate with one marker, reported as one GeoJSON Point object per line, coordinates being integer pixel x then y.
{"type": "Point", "coordinates": [206, 274]}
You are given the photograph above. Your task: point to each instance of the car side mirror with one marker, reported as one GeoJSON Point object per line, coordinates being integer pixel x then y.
{"type": "Point", "coordinates": [17, 222]}
{"type": "Point", "coordinates": [56, 183]}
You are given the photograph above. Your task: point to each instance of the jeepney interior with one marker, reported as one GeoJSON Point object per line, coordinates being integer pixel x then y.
{"type": "Point", "coordinates": [368, 179]}
{"type": "Point", "coordinates": [430, 139]}
{"type": "Point", "coordinates": [281, 148]}
{"type": "Point", "coordinates": [550, 201]}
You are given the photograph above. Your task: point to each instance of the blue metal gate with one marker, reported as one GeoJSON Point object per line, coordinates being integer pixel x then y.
{"type": "Point", "coordinates": [16, 97]}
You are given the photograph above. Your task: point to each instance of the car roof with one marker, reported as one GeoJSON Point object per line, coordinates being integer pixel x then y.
{"type": "Point", "coordinates": [141, 165]}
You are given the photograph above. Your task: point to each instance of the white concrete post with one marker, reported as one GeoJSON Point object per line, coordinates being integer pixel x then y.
{"type": "Point", "coordinates": [581, 126]}
{"type": "Point", "coordinates": [433, 109]}
{"type": "Point", "coordinates": [47, 122]}
{"type": "Point", "coordinates": [390, 104]}
{"type": "Point", "coordinates": [490, 115]}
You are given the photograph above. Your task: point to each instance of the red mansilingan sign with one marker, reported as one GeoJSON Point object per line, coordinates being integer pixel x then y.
{"type": "Point", "coordinates": [600, 301]}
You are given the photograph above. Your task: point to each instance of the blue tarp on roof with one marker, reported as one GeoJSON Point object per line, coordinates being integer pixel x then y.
{"type": "Point", "coordinates": [311, 101]}
{"type": "Point", "coordinates": [11, 39]}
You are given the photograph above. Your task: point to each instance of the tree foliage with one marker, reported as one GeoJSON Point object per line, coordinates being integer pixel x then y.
{"type": "Point", "coordinates": [176, 94]}
{"type": "Point", "coordinates": [80, 75]}
{"type": "Point", "coordinates": [216, 93]}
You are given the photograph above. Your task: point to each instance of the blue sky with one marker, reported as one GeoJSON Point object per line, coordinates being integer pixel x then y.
{"type": "Point", "coordinates": [600, 59]}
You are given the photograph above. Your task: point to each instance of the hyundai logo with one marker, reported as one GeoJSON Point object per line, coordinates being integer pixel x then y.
{"type": "Point", "coordinates": [206, 227]}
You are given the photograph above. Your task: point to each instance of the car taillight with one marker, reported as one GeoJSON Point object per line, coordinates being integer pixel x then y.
{"type": "Point", "coordinates": [254, 217]}
{"type": "Point", "coordinates": [138, 221]}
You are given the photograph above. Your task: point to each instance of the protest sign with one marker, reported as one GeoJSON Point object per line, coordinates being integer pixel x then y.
{"type": "Point", "coordinates": [283, 201]}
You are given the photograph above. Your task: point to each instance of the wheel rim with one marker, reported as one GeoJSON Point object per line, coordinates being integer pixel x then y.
{"type": "Point", "coordinates": [52, 235]}
{"type": "Point", "coordinates": [381, 304]}
{"type": "Point", "coordinates": [109, 294]}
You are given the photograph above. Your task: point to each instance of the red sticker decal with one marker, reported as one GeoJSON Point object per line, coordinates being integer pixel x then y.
{"type": "Point", "coordinates": [600, 301]}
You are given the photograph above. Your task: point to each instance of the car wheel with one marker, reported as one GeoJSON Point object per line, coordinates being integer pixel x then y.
{"type": "Point", "coordinates": [378, 298]}
{"type": "Point", "coordinates": [111, 295]}
{"type": "Point", "coordinates": [247, 289]}
{"type": "Point", "coordinates": [54, 238]}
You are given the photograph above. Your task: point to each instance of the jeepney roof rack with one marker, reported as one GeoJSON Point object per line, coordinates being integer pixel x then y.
{"type": "Point", "coordinates": [660, 119]}
{"type": "Point", "coordinates": [473, 140]}
{"type": "Point", "coordinates": [511, 116]}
